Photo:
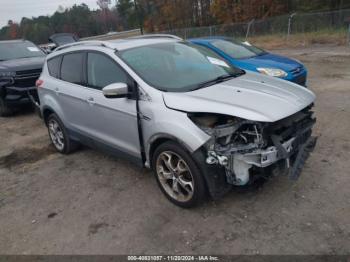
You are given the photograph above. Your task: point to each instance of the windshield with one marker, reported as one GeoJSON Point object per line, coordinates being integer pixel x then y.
{"type": "Point", "coordinates": [236, 49]}
{"type": "Point", "coordinates": [16, 50]}
{"type": "Point", "coordinates": [177, 66]}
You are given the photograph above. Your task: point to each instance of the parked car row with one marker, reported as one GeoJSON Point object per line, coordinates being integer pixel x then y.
{"type": "Point", "coordinates": [21, 62]}
{"type": "Point", "coordinates": [248, 57]}
{"type": "Point", "coordinates": [200, 123]}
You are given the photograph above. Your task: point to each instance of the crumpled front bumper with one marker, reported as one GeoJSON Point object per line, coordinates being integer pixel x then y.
{"type": "Point", "coordinates": [294, 157]}
{"type": "Point", "coordinates": [266, 157]}
{"type": "Point", "coordinates": [291, 153]}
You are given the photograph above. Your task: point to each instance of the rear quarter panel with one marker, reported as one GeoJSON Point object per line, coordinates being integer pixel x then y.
{"type": "Point", "coordinates": [47, 96]}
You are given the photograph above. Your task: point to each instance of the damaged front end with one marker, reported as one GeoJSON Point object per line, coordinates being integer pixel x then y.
{"type": "Point", "coordinates": [249, 149]}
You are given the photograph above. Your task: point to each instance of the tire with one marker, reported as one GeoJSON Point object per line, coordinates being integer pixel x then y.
{"type": "Point", "coordinates": [4, 109]}
{"type": "Point", "coordinates": [59, 136]}
{"type": "Point", "coordinates": [183, 188]}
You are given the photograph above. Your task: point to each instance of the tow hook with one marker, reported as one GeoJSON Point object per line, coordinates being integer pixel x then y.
{"type": "Point", "coordinates": [33, 99]}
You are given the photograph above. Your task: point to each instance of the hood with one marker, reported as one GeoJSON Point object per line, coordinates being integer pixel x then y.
{"type": "Point", "coordinates": [273, 61]}
{"type": "Point", "coordinates": [252, 96]}
{"type": "Point", "coordinates": [63, 39]}
{"type": "Point", "coordinates": [22, 64]}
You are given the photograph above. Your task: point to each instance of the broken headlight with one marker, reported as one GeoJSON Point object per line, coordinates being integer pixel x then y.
{"type": "Point", "coordinates": [208, 121]}
{"type": "Point", "coordinates": [229, 134]}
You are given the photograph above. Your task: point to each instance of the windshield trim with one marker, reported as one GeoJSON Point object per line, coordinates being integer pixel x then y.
{"type": "Point", "coordinates": [185, 89]}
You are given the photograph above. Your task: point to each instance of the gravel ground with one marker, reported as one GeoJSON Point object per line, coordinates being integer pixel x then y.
{"type": "Point", "coordinates": [90, 203]}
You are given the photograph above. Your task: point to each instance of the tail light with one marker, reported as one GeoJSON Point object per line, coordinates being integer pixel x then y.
{"type": "Point", "coordinates": [39, 83]}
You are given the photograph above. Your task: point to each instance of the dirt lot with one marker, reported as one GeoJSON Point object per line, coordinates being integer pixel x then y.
{"type": "Point", "coordinates": [90, 203]}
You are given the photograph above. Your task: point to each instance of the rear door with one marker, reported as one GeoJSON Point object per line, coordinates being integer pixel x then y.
{"type": "Point", "coordinates": [112, 121]}
{"type": "Point", "coordinates": [72, 93]}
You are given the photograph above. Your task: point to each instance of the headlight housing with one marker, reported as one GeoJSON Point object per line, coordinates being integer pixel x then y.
{"type": "Point", "coordinates": [7, 74]}
{"type": "Point", "coordinates": [273, 72]}
{"type": "Point", "coordinates": [207, 121]}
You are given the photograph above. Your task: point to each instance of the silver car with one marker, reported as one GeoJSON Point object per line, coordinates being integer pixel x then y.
{"type": "Point", "coordinates": [200, 124]}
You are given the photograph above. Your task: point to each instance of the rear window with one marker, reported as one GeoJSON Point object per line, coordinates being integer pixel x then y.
{"type": "Point", "coordinates": [54, 66]}
{"type": "Point", "coordinates": [72, 68]}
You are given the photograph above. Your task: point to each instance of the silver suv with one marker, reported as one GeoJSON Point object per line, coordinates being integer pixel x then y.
{"type": "Point", "coordinates": [200, 124]}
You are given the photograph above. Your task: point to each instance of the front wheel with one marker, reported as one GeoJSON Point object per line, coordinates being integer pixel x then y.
{"type": "Point", "coordinates": [178, 176]}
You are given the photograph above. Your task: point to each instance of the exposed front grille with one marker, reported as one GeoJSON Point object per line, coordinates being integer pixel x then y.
{"type": "Point", "coordinates": [28, 73]}
{"type": "Point", "coordinates": [27, 78]}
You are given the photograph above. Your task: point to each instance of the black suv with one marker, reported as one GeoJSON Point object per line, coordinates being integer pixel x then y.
{"type": "Point", "coordinates": [21, 64]}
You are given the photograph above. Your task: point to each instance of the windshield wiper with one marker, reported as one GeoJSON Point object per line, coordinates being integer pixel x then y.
{"type": "Point", "coordinates": [218, 80]}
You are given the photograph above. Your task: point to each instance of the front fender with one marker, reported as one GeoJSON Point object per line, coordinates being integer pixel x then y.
{"type": "Point", "coordinates": [158, 137]}
{"type": "Point", "coordinates": [173, 125]}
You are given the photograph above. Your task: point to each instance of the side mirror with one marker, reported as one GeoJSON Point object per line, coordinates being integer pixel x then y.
{"type": "Point", "coordinates": [116, 90]}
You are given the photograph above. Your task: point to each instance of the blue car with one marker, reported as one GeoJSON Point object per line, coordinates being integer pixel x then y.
{"type": "Point", "coordinates": [248, 57]}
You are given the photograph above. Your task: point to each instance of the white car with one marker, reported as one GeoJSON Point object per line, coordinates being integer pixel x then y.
{"type": "Point", "coordinates": [202, 125]}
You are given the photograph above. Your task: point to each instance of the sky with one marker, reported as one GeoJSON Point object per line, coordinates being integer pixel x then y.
{"type": "Point", "coordinates": [16, 9]}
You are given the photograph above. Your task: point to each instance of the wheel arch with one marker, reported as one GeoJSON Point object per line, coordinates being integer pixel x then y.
{"type": "Point", "coordinates": [214, 177]}
{"type": "Point", "coordinates": [47, 111]}
{"type": "Point", "coordinates": [157, 140]}
{"type": "Point", "coordinates": [49, 104]}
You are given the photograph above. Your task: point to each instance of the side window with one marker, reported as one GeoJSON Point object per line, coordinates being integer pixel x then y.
{"type": "Point", "coordinates": [72, 68]}
{"type": "Point", "coordinates": [54, 66]}
{"type": "Point", "coordinates": [102, 71]}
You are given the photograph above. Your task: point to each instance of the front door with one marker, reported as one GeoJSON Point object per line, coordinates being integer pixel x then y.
{"type": "Point", "coordinates": [113, 122]}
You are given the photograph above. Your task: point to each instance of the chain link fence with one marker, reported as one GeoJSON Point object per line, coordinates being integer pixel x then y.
{"type": "Point", "coordinates": [284, 26]}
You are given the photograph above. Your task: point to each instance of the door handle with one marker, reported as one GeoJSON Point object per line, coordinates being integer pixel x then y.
{"type": "Point", "coordinates": [57, 90]}
{"type": "Point", "coordinates": [90, 100]}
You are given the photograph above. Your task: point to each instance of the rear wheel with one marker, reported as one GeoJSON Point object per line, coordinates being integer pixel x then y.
{"type": "Point", "coordinates": [4, 108]}
{"type": "Point", "coordinates": [59, 136]}
{"type": "Point", "coordinates": [178, 176]}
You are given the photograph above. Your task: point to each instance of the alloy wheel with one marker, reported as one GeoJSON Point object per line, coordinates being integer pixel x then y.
{"type": "Point", "coordinates": [175, 176]}
{"type": "Point", "coordinates": [56, 134]}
